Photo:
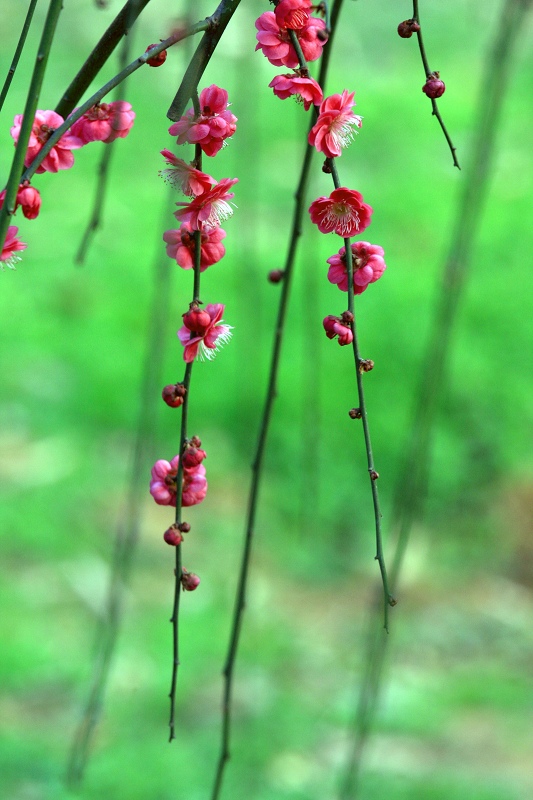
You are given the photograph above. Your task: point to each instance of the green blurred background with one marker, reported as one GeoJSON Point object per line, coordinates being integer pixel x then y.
{"type": "Point", "coordinates": [455, 717]}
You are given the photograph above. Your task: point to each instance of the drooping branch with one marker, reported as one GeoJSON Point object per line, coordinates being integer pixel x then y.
{"type": "Point", "coordinates": [18, 52]}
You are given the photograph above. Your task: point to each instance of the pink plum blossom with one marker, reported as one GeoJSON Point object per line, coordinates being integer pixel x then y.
{"type": "Point", "coordinates": [27, 198]}
{"type": "Point", "coordinates": [210, 208]}
{"type": "Point", "coordinates": [44, 124]}
{"type": "Point", "coordinates": [333, 326]}
{"type": "Point", "coordinates": [343, 212]}
{"type": "Point", "coordinates": [212, 127]}
{"type": "Point", "coordinates": [334, 128]}
{"type": "Point", "coordinates": [182, 246]}
{"type": "Point", "coordinates": [163, 483]}
{"type": "Point", "coordinates": [275, 43]}
{"type": "Point", "coordinates": [11, 247]}
{"type": "Point", "coordinates": [368, 266]}
{"type": "Point", "coordinates": [292, 13]}
{"type": "Point", "coordinates": [206, 344]}
{"type": "Point", "coordinates": [306, 90]}
{"type": "Point", "coordinates": [104, 122]}
{"type": "Point", "coordinates": [181, 175]}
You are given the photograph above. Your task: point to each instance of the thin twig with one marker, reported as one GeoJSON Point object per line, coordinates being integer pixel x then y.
{"type": "Point", "coordinates": [14, 180]}
{"type": "Point", "coordinates": [412, 477]}
{"type": "Point", "coordinates": [179, 476]}
{"type": "Point", "coordinates": [387, 596]}
{"type": "Point", "coordinates": [129, 525]}
{"type": "Point", "coordinates": [428, 71]}
{"type": "Point", "coordinates": [240, 599]}
{"type": "Point", "coordinates": [18, 51]}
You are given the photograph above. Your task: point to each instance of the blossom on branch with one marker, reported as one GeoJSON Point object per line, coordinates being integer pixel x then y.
{"type": "Point", "coordinates": [181, 175]}
{"type": "Point", "coordinates": [275, 42]}
{"type": "Point", "coordinates": [212, 127]}
{"type": "Point", "coordinates": [306, 90]}
{"type": "Point", "coordinates": [334, 128]}
{"type": "Point", "coordinates": [44, 124]}
{"type": "Point", "coordinates": [343, 212]}
{"type": "Point", "coordinates": [368, 266]}
{"type": "Point", "coordinates": [210, 208]}
{"type": "Point", "coordinates": [28, 198]}
{"type": "Point", "coordinates": [104, 122]}
{"type": "Point", "coordinates": [12, 246]}
{"type": "Point", "coordinates": [334, 326]}
{"type": "Point", "coordinates": [209, 338]}
{"type": "Point", "coordinates": [163, 483]}
{"type": "Point", "coordinates": [181, 245]}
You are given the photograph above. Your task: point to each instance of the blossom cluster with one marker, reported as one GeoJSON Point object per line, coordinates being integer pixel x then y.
{"type": "Point", "coordinates": [103, 122]}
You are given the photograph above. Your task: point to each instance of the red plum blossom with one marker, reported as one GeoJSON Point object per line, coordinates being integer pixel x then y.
{"type": "Point", "coordinates": [206, 344]}
{"type": "Point", "coordinates": [44, 124]}
{"type": "Point", "coordinates": [212, 127]}
{"type": "Point", "coordinates": [181, 175]}
{"type": "Point", "coordinates": [163, 483]}
{"type": "Point", "coordinates": [12, 246]}
{"type": "Point", "coordinates": [334, 128]}
{"type": "Point", "coordinates": [182, 246]}
{"type": "Point", "coordinates": [334, 327]}
{"type": "Point", "coordinates": [275, 43]}
{"type": "Point", "coordinates": [28, 198]}
{"type": "Point", "coordinates": [343, 212]}
{"type": "Point", "coordinates": [306, 90]}
{"type": "Point", "coordinates": [210, 208]}
{"type": "Point", "coordinates": [104, 122]}
{"type": "Point", "coordinates": [368, 266]}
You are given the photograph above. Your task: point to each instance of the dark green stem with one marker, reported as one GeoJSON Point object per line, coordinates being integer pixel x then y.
{"type": "Point", "coordinates": [435, 108]}
{"type": "Point", "coordinates": [18, 51]}
{"type": "Point", "coordinates": [30, 108]}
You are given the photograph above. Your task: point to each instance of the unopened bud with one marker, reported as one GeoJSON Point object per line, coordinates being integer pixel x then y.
{"type": "Point", "coordinates": [193, 456]}
{"type": "Point", "coordinates": [173, 536]}
{"type": "Point", "coordinates": [407, 28]}
{"type": "Point", "coordinates": [434, 87]}
{"type": "Point", "coordinates": [173, 394]}
{"type": "Point", "coordinates": [189, 581]}
{"type": "Point", "coordinates": [326, 167]}
{"type": "Point", "coordinates": [195, 441]}
{"type": "Point", "coordinates": [374, 475]}
{"type": "Point", "coordinates": [184, 527]}
{"type": "Point", "coordinates": [322, 35]}
{"type": "Point", "coordinates": [196, 320]}
{"type": "Point", "coordinates": [159, 59]}
{"type": "Point", "coordinates": [355, 413]}
{"type": "Point", "coordinates": [276, 275]}
{"type": "Point", "coordinates": [365, 365]}
{"type": "Point", "coordinates": [347, 317]}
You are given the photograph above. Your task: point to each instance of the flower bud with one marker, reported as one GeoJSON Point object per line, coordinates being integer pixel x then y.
{"type": "Point", "coordinates": [276, 275]}
{"type": "Point", "coordinates": [193, 456]}
{"type": "Point", "coordinates": [347, 317]}
{"type": "Point", "coordinates": [355, 413]}
{"type": "Point", "coordinates": [158, 60]}
{"type": "Point", "coordinates": [172, 536]}
{"type": "Point", "coordinates": [195, 441]}
{"type": "Point", "coordinates": [196, 320]}
{"type": "Point", "coordinates": [407, 28]}
{"type": "Point", "coordinates": [184, 527]}
{"type": "Point", "coordinates": [189, 581]}
{"type": "Point", "coordinates": [434, 87]}
{"type": "Point", "coordinates": [374, 475]}
{"type": "Point", "coordinates": [173, 394]}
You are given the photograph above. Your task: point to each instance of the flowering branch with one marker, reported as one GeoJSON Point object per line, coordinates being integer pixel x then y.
{"type": "Point", "coordinates": [217, 23]}
{"type": "Point", "coordinates": [429, 76]}
{"type": "Point", "coordinates": [407, 504]}
{"type": "Point", "coordinates": [18, 51]}
{"type": "Point", "coordinates": [30, 108]}
{"type": "Point", "coordinates": [98, 57]}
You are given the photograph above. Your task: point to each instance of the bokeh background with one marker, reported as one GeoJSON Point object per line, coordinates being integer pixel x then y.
{"type": "Point", "coordinates": [455, 716]}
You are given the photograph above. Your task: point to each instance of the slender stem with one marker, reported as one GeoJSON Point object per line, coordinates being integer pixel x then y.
{"type": "Point", "coordinates": [202, 56]}
{"type": "Point", "coordinates": [97, 96]}
{"type": "Point", "coordinates": [240, 598]}
{"type": "Point", "coordinates": [99, 55]}
{"type": "Point", "coordinates": [388, 598]}
{"type": "Point", "coordinates": [427, 70]}
{"type": "Point", "coordinates": [179, 477]}
{"type": "Point", "coordinates": [14, 180]}
{"type": "Point", "coordinates": [18, 51]}
{"type": "Point", "coordinates": [128, 528]}
{"type": "Point", "coordinates": [412, 477]}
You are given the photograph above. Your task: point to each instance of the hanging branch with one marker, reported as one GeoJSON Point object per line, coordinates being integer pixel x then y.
{"type": "Point", "coordinates": [128, 529]}
{"type": "Point", "coordinates": [373, 474]}
{"type": "Point", "coordinates": [14, 180]}
{"type": "Point", "coordinates": [429, 75]}
{"type": "Point", "coordinates": [257, 464]}
{"type": "Point", "coordinates": [412, 477]}
{"type": "Point", "coordinates": [18, 51]}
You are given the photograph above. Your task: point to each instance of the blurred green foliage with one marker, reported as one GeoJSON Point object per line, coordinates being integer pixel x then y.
{"type": "Point", "coordinates": [455, 717]}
